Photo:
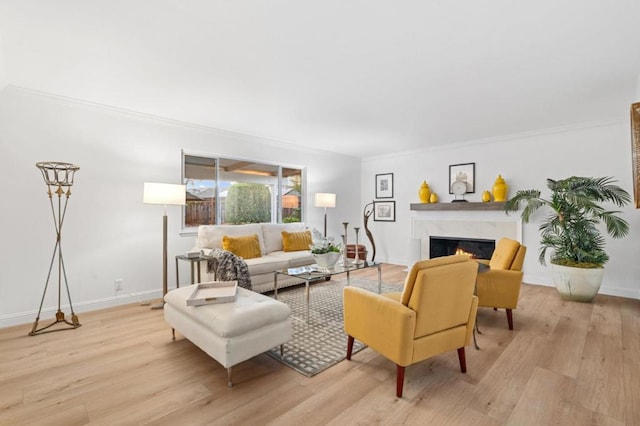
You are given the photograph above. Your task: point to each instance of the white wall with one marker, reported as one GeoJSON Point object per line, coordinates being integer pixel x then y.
{"type": "Point", "coordinates": [3, 72]}
{"type": "Point", "coordinates": [525, 162]}
{"type": "Point", "coordinates": [108, 232]}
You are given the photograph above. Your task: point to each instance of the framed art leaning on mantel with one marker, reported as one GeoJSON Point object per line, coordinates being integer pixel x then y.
{"type": "Point", "coordinates": [465, 173]}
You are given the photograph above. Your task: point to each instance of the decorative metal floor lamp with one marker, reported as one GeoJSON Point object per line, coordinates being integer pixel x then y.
{"type": "Point", "coordinates": [59, 179]}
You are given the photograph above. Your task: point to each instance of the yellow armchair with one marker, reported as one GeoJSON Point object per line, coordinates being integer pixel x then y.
{"type": "Point", "coordinates": [435, 313]}
{"type": "Point", "coordinates": [500, 286]}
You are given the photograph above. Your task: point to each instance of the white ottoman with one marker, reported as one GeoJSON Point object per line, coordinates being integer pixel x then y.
{"type": "Point", "coordinates": [230, 332]}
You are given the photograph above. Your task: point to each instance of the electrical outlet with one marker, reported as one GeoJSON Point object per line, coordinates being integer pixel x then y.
{"type": "Point", "coordinates": [117, 285]}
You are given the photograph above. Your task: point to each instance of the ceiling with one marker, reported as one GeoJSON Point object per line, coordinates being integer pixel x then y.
{"type": "Point", "coordinates": [362, 78]}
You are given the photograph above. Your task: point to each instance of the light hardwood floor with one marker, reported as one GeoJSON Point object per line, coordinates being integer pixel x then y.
{"type": "Point", "coordinates": [564, 364]}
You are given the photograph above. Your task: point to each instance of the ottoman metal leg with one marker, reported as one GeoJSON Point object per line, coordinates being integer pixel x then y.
{"type": "Point", "coordinates": [229, 382]}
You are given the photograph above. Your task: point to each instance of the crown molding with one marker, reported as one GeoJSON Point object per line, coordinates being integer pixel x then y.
{"type": "Point", "coordinates": [502, 138]}
{"type": "Point", "coordinates": [25, 91]}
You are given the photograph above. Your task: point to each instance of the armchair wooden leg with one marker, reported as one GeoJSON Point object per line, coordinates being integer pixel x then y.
{"type": "Point", "coordinates": [399, 380]}
{"type": "Point", "coordinates": [349, 346]}
{"type": "Point", "coordinates": [510, 318]}
{"type": "Point", "coordinates": [462, 359]}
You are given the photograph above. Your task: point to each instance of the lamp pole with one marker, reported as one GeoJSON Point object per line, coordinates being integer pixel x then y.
{"type": "Point", "coordinates": [165, 287]}
{"type": "Point", "coordinates": [325, 222]}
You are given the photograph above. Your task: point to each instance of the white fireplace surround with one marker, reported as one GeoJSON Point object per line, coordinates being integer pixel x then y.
{"type": "Point", "coordinates": [427, 224]}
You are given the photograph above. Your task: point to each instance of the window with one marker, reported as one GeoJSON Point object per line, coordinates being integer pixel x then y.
{"type": "Point", "coordinates": [232, 191]}
{"type": "Point", "coordinates": [291, 191]}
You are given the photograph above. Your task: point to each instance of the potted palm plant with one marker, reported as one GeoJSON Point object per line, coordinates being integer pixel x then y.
{"type": "Point", "coordinates": [572, 231]}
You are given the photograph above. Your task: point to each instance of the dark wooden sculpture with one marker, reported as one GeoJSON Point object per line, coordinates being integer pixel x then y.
{"type": "Point", "coordinates": [366, 214]}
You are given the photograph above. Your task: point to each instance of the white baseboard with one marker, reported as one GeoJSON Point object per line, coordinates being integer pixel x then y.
{"type": "Point", "coordinates": [92, 305]}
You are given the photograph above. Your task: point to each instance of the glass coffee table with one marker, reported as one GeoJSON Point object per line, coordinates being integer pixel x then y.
{"type": "Point", "coordinates": [312, 273]}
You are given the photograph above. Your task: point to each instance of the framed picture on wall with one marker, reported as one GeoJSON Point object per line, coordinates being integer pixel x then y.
{"type": "Point", "coordinates": [635, 151]}
{"type": "Point", "coordinates": [463, 172]}
{"type": "Point", "coordinates": [384, 185]}
{"type": "Point", "coordinates": [384, 211]}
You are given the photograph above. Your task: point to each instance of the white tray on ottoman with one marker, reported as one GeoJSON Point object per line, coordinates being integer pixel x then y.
{"type": "Point", "coordinates": [230, 332]}
{"type": "Point", "coordinates": [213, 292]}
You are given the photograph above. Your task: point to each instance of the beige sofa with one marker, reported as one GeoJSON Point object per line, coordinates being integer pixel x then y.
{"type": "Point", "coordinates": [273, 257]}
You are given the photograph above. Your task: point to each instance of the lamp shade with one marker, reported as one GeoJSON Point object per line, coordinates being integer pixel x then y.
{"type": "Point", "coordinates": [164, 193]}
{"type": "Point", "coordinates": [324, 199]}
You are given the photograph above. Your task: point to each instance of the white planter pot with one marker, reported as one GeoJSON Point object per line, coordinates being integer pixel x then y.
{"type": "Point", "coordinates": [326, 260]}
{"type": "Point", "coordinates": [577, 284]}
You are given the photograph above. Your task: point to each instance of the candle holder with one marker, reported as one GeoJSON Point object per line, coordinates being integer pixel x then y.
{"type": "Point", "coordinates": [345, 259]}
{"type": "Point", "coordinates": [59, 178]}
{"type": "Point", "coordinates": [356, 260]}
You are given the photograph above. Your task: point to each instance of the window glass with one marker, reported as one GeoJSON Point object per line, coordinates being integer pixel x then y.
{"type": "Point", "coordinates": [247, 191]}
{"type": "Point", "coordinates": [291, 195]}
{"type": "Point", "coordinates": [232, 191]}
{"type": "Point", "coordinates": [200, 180]}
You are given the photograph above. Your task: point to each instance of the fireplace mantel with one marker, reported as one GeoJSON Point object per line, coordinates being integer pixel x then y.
{"type": "Point", "coordinates": [461, 206]}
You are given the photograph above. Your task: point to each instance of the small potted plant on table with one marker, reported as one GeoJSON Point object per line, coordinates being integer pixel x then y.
{"type": "Point", "coordinates": [325, 252]}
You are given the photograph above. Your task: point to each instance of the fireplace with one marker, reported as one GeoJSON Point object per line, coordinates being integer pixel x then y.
{"type": "Point", "coordinates": [479, 226]}
{"type": "Point", "coordinates": [476, 248]}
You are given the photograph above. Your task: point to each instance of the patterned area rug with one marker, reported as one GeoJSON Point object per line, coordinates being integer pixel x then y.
{"type": "Point", "coordinates": [318, 339]}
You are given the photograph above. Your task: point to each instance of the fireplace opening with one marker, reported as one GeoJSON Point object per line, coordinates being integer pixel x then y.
{"type": "Point", "coordinates": [476, 248]}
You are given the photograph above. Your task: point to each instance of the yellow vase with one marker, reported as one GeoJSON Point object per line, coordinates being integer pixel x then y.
{"type": "Point", "coordinates": [486, 196]}
{"type": "Point", "coordinates": [500, 189]}
{"type": "Point", "coordinates": [433, 198]}
{"type": "Point", "coordinates": [424, 193]}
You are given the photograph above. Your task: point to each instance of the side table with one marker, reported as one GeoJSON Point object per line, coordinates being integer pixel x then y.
{"type": "Point", "coordinates": [193, 263]}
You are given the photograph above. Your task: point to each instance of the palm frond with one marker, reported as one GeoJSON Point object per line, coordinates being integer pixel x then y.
{"type": "Point", "coordinates": [616, 226]}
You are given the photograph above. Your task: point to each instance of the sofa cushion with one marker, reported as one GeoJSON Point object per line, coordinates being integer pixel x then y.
{"type": "Point", "coordinates": [294, 259]}
{"type": "Point", "coordinates": [296, 241]}
{"type": "Point", "coordinates": [272, 234]}
{"type": "Point", "coordinates": [247, 247]}
{"type": "Point", "coordinates": [266, 265]}
{"type": "Point", "coordinates": [210, 236]}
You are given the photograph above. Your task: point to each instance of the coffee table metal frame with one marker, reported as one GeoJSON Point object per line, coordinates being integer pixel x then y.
{"type": "Point", "coordinates": [326, 273]}
{"type": "Point", "coordinates": [481, 268]}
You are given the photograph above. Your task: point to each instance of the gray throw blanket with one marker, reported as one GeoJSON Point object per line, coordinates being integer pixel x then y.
{"type": "Point", "coordinates": [228, 267]}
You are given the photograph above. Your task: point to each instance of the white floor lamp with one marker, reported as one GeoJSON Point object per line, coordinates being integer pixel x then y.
{"type": "Point", "coordinates": [324, 199]}
{"type": "Point", "coordinates": [164, 193]}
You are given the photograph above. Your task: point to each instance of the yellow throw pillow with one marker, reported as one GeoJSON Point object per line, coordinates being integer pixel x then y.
{"type": "Point", "coordinates": [296, 241]}
{"type": "Point", "coordinates": [247, 247]}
